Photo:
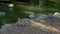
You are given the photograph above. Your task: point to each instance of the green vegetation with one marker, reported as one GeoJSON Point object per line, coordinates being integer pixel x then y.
{"type": "Point", "coordinates": [22, 9]}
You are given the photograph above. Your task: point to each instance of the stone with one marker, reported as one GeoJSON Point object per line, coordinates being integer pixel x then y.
{"type": "Point", "coordinates": [50, 15]}
{"type": "Point", "coordinates": [20, 22]}
{"type": "Point", "coordinates": [2, 31]}
{"type": "Point", "coordinates": [56, 14]}
{"type": "Point", "coordinates": [11, 5]}
{"type": "Point", "coordinates": [33, 28]}
{"type": "Point", "coordinates": [5, 26]}
{"type": "Point", "coordinates": [2, 13]}
{"type": "Point", "coordinates": [32, 15]}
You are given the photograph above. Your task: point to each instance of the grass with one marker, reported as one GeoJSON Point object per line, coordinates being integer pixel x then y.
{"type": "Point", "coordinates": [22, 9]}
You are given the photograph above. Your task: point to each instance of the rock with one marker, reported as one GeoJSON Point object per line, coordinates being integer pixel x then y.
{"type": "Point", "coordinates": [2, 31]}
{"type": "Point", "coordinates": [11, 5]}
{"type": "Point", "coordinates": [50, 15]}
{"type": "Point", "coordinates": [56, 14]}
{"type": "Point", "coordinates": [5, 26]}
{"type": "Point", "coordinates": [32, 15]}
{"type": "Point", "coordinates": [2, 13]}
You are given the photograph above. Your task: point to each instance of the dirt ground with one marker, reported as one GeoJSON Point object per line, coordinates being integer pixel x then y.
{"type": "Point", "coordinates": [50, 26]}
